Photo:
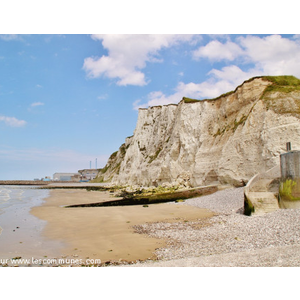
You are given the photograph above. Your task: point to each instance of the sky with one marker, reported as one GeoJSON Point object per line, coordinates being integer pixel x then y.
{"type": "Point", "coordinates": [69, 99]}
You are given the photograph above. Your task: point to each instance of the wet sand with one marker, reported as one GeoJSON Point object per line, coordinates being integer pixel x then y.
{"type": "Point", "coordinates": [20, 231]}
{"type": "Point", "coordinates": [106, 233]}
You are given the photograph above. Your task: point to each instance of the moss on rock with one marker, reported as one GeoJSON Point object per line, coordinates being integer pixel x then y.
{"type": "Point", "coordinates": [290, 190]}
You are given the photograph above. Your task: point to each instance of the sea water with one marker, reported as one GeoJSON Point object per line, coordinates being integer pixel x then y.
{"type": "Point", "coordinates": [20, 231]}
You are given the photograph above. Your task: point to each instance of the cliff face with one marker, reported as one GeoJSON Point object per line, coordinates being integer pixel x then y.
{"type": "Point", "coordinates": [225, 140]}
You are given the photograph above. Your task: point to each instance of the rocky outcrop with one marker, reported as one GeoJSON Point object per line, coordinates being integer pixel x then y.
{"type": "Point", "coordinates": [225, 140]}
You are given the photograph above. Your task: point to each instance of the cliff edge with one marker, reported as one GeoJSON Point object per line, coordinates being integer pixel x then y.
{"type": "Point", "coordinates": [225, 140]}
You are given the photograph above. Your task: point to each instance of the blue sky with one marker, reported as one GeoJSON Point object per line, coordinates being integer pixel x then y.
{"type": "Point", "coordinates": [66, 100]}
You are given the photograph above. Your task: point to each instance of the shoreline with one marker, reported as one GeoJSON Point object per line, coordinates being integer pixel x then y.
{"type": "Point", "coordinates": [21, 231]}
{"type": "Point", "coordinates": [107, 233]}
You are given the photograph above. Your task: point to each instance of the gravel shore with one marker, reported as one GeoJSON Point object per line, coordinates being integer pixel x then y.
{"type": "Point", "coordinates": [229, 238]}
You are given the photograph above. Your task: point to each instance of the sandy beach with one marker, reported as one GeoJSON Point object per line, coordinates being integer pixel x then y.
{"type": "Point", "coordinates": [207, 231]}
{"type": "Point", "coordinates": [107, 233]}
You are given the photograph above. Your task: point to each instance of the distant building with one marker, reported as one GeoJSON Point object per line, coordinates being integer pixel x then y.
{"type": "Point", "coordinates": [66, 177]}
{"type": "Point", "coordinates": [88, 174]}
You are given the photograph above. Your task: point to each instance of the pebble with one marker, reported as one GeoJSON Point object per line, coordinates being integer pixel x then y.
{"type": "Point", "coordinates": [228, 232]}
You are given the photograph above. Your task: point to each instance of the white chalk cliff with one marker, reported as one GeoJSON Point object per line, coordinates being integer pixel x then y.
{"type": "Point", "coordinates": [225, 140]}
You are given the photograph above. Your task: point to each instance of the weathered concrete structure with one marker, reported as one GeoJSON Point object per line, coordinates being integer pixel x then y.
{"type": "Point", "coordinates": [290, 165]}
{"type": "Point", "coordinates": [261, 192]}
{"type": "Point", "coordinates": [289, 192]}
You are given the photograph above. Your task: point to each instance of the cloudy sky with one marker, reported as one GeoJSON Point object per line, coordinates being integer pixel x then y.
{"type": "Point", "coordinates": [66, 100]}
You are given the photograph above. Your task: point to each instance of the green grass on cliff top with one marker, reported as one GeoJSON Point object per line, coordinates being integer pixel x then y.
{"type": "Point", "coordinates": [285, 84]}
{"type": "Point", "coordinates": [283, 80]}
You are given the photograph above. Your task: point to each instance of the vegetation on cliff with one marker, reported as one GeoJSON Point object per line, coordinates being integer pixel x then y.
{"type": "Point", "coordinates": [283, 84]}
{"type": "Point", "coordinates": [113, 164]}
{"type": "Point", "coordinates": [275, 95]}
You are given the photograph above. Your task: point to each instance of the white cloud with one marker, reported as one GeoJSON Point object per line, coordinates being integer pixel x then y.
{"type": "Point", "coordinates": [128, 55]}
{"type": "Point", "coordinates": [219, 82]}
{"type": "Point", "coordinates": [233, 74]}
{"type": "Point", "coordinates": [217, 51]}
{"type": "Point", "coordinates": [12, 121]}
{"type": "Point", "coordinates": [273, 55]}
{"type": "Point", "coordinates": [269, 55]}
{"type": "Point", "coordinates": [37, 104]}
{"type": "Point", "coordinates": [271, 47]}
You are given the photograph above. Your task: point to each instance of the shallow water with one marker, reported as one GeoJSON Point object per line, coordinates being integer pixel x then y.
{"type": "Point", "coordinates": [20, 231]}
